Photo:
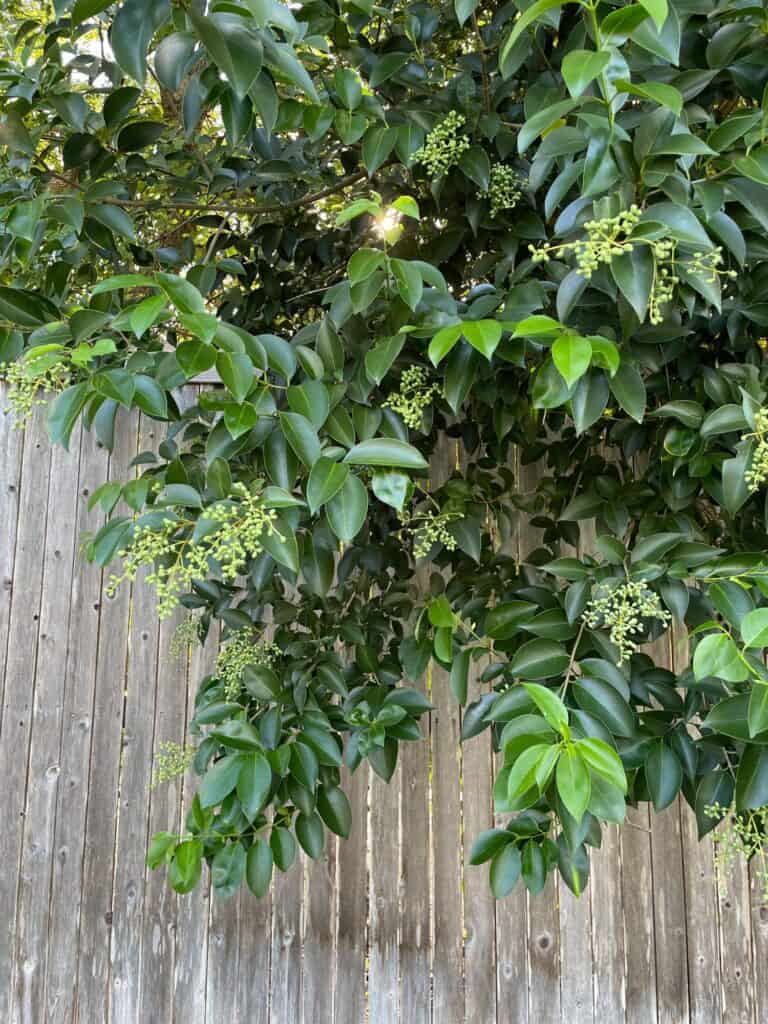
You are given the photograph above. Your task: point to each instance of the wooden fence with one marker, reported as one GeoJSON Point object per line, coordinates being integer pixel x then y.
{"type": "Point", "coordinates": [392, 925]}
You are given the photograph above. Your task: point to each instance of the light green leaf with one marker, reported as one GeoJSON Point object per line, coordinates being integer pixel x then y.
{"type": "Point", "coordinates": [580, 67]}
{"type": "Point", "coordinates": [754, 628]}
{"type": "Point", "coordinates": [386, 451]}
{"type": "Point", "coordinates": [572, 355]}
{"type": "Point", "coordinates": [483, 335]}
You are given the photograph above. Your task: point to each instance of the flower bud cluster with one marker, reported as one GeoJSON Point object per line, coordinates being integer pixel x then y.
{"type": "Point", "coordinates": [444, 145]}
{"type": "Point", "coordinates": [413, 397]}
{"type": "Point", "coordinates": [611, 236]}
{"type": "Point", "coordinates": [757, 474]}
{"type": "Point", "coordinates": [605, 239]}
{"type": "Point", "coordinates": [664, 281]}
{"type": "Point", "coordinates": [621, 610]}
{"type": "Point", "coordinates": [504, 190]}
{"type": "Point", "coordinates": [171, 761]}
{"type": "Point", "coordinates": [184, 636]}
{"type": "Point", "coordinates": [743, 834]}
{"type": "Point", "coordinates": [29, 381]}
{"type": "Point", "coordinates": [178, 561]}
{"type": "Point", "coordinates": [427, 529]}
{"type": "Point", "coordinates": [243, 648]}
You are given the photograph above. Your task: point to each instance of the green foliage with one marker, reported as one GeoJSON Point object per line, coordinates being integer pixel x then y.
{"type": "Point", "coordinates": [492, 236]}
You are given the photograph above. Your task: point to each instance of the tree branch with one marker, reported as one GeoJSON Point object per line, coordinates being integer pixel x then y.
{"type": "Point", "coordinates": [174, 204]}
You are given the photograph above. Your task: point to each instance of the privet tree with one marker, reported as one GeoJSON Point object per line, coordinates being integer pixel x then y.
{"type": "Point", "coordinates": [503, 234]}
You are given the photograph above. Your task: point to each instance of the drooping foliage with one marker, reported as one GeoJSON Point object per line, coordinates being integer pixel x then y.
{"type": "Point", "coordinates": [472, 235]}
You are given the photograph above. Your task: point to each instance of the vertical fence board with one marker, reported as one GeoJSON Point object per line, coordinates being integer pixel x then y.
{"type": "Point", "coordinates": [669, 896]}
{"type": "Point", "coordinates": [286, 943]}
{"type": "Point", "coordinates": [512, 925]}
{"type": "Point", "coordinates": [543, 911]}
{"type": "Point", "coordinates": [384, 850]}
{"type": "Point", "coordinates": [669, 916]}
{"type": "Point", "coordinates": [45, 738]}
{"type": "Point", "coordinates": [90, 766]}
{"type": "Point", "coordinates": [253, 983]}
{"type": "Point", "coordinates": [74, 746]}
{"type": "Point", "coordinates": [736, 947]}
{"type": "Point", "coordinates": [319, 935]}
{"type": "Point", "coordinates": [759, 942]}
{"type": "Point", "coordinates": [446, 810]}
{"type": "Point", "coordinates": [11, 449]}
{"type": "Point", "coordinates": [161, 904]}
{"type": "Point", "coordinates": [576, 959]}
{"type": "Point", "coordinates": [638, 898]}
{"type": "Point", "coordinates": [191, 964]}
{"type": "Point", "coordinates": [445, 727]}
{"type": "Point", "coordinates": [18, 691]}
{"type": "Point", "coordinates": [479, 908]}
{"type": "Point", "coordinates": [133, 811]}
{"type": "Point", "coordinates": [607, 912]}
{"type": "Point", "coordinates": [702, 936]}
{"type": "Point", "coordinates": [703, 940]}
{"type": "Point", "coordinates": [415, 866]}
{"type": "Point", "coordinates": [223, 958]}
{"type": "Point", "coordinates": [353, 906]}
{"type": "Point", "coordinates": [512, 966]}
{"type": "Point", "coordinates": [608, 928]}
{"type": "Point", "coordinates": [576, 954]}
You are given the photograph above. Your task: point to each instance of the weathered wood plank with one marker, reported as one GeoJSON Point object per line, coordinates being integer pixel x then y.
{"type": "Point", "coordinates": [86, 825]}
{"type": "Point", "coordinates": [384, 847]}
{"type": "Point", "coordinates": [48, 688]}
{"type": "Point", "coordinates": [637, 888]}
{"type": "Point", "coordinates": [191, 963]}
{"type": "Point", "coordinates": [415, 866]}
{"type": "Point", "coordinates": [128, 905]}
{"type": "Point", "coordinates": [543, 911]}
{"type": "Point", "coordinates": [17, 707]}
{"type": "Point", "coordinates": [512, 963]}
{"type": "Point", "coordinates": [669, 917]}
{"type": "Point", "coordinates": [576, 957]}
{"type": "Point", "coordinates": [736, 966]}
{"type": "Point", "coordinates": [318, 989]}
{"type": "Point", "coordinates": [759, 942]}
{"type": "Point", "coordinates": [607, 956]}
{"type": "Point", "coordinates": [285, 987]}
{"type": "Point", "coordinates": [448, 952]}
{"type": "Point", "coordinates": [608, 926]}
{"type": "Point", "coordinates": [512, 925]}
{"type": "Point", "coordinates": [161, 904]}
{"type": "Point", "coordinates": [669, 897]}
{"type": "Point", "coordinates": [544, 954]}
{"type": "Point", "coordinates": [703, 939]}
{"type": "Point", "coordinates": [11, 449]}
{"type": "Point", "coordinates": [351, 942]}
{"type": "Point", "coordinates": [576, 953]}
{"type": "Point", "coordinates": [479, 905]}
{"type": "Point", "coordinates": [445, 730]}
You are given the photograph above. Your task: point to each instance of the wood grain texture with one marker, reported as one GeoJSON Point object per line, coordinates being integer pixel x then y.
{"type": "Point", "coordinates": [391, 925]}
{"type": "Point", "coordinates": [137, 748]}
{"type": "Point", "coordinates": [91, 755]}
{"type": "Point", "coordinates": [37, 848]}
{"type": "Point", "coordinates": [384, 899]}
{"type": "Point", "coordinates": [352, 938]}
{"type": "Point", "coordinates": [18, 696]}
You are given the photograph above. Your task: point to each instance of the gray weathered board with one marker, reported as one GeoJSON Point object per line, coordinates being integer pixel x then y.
{"type": "Point", "coordinates": [391, 925]}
